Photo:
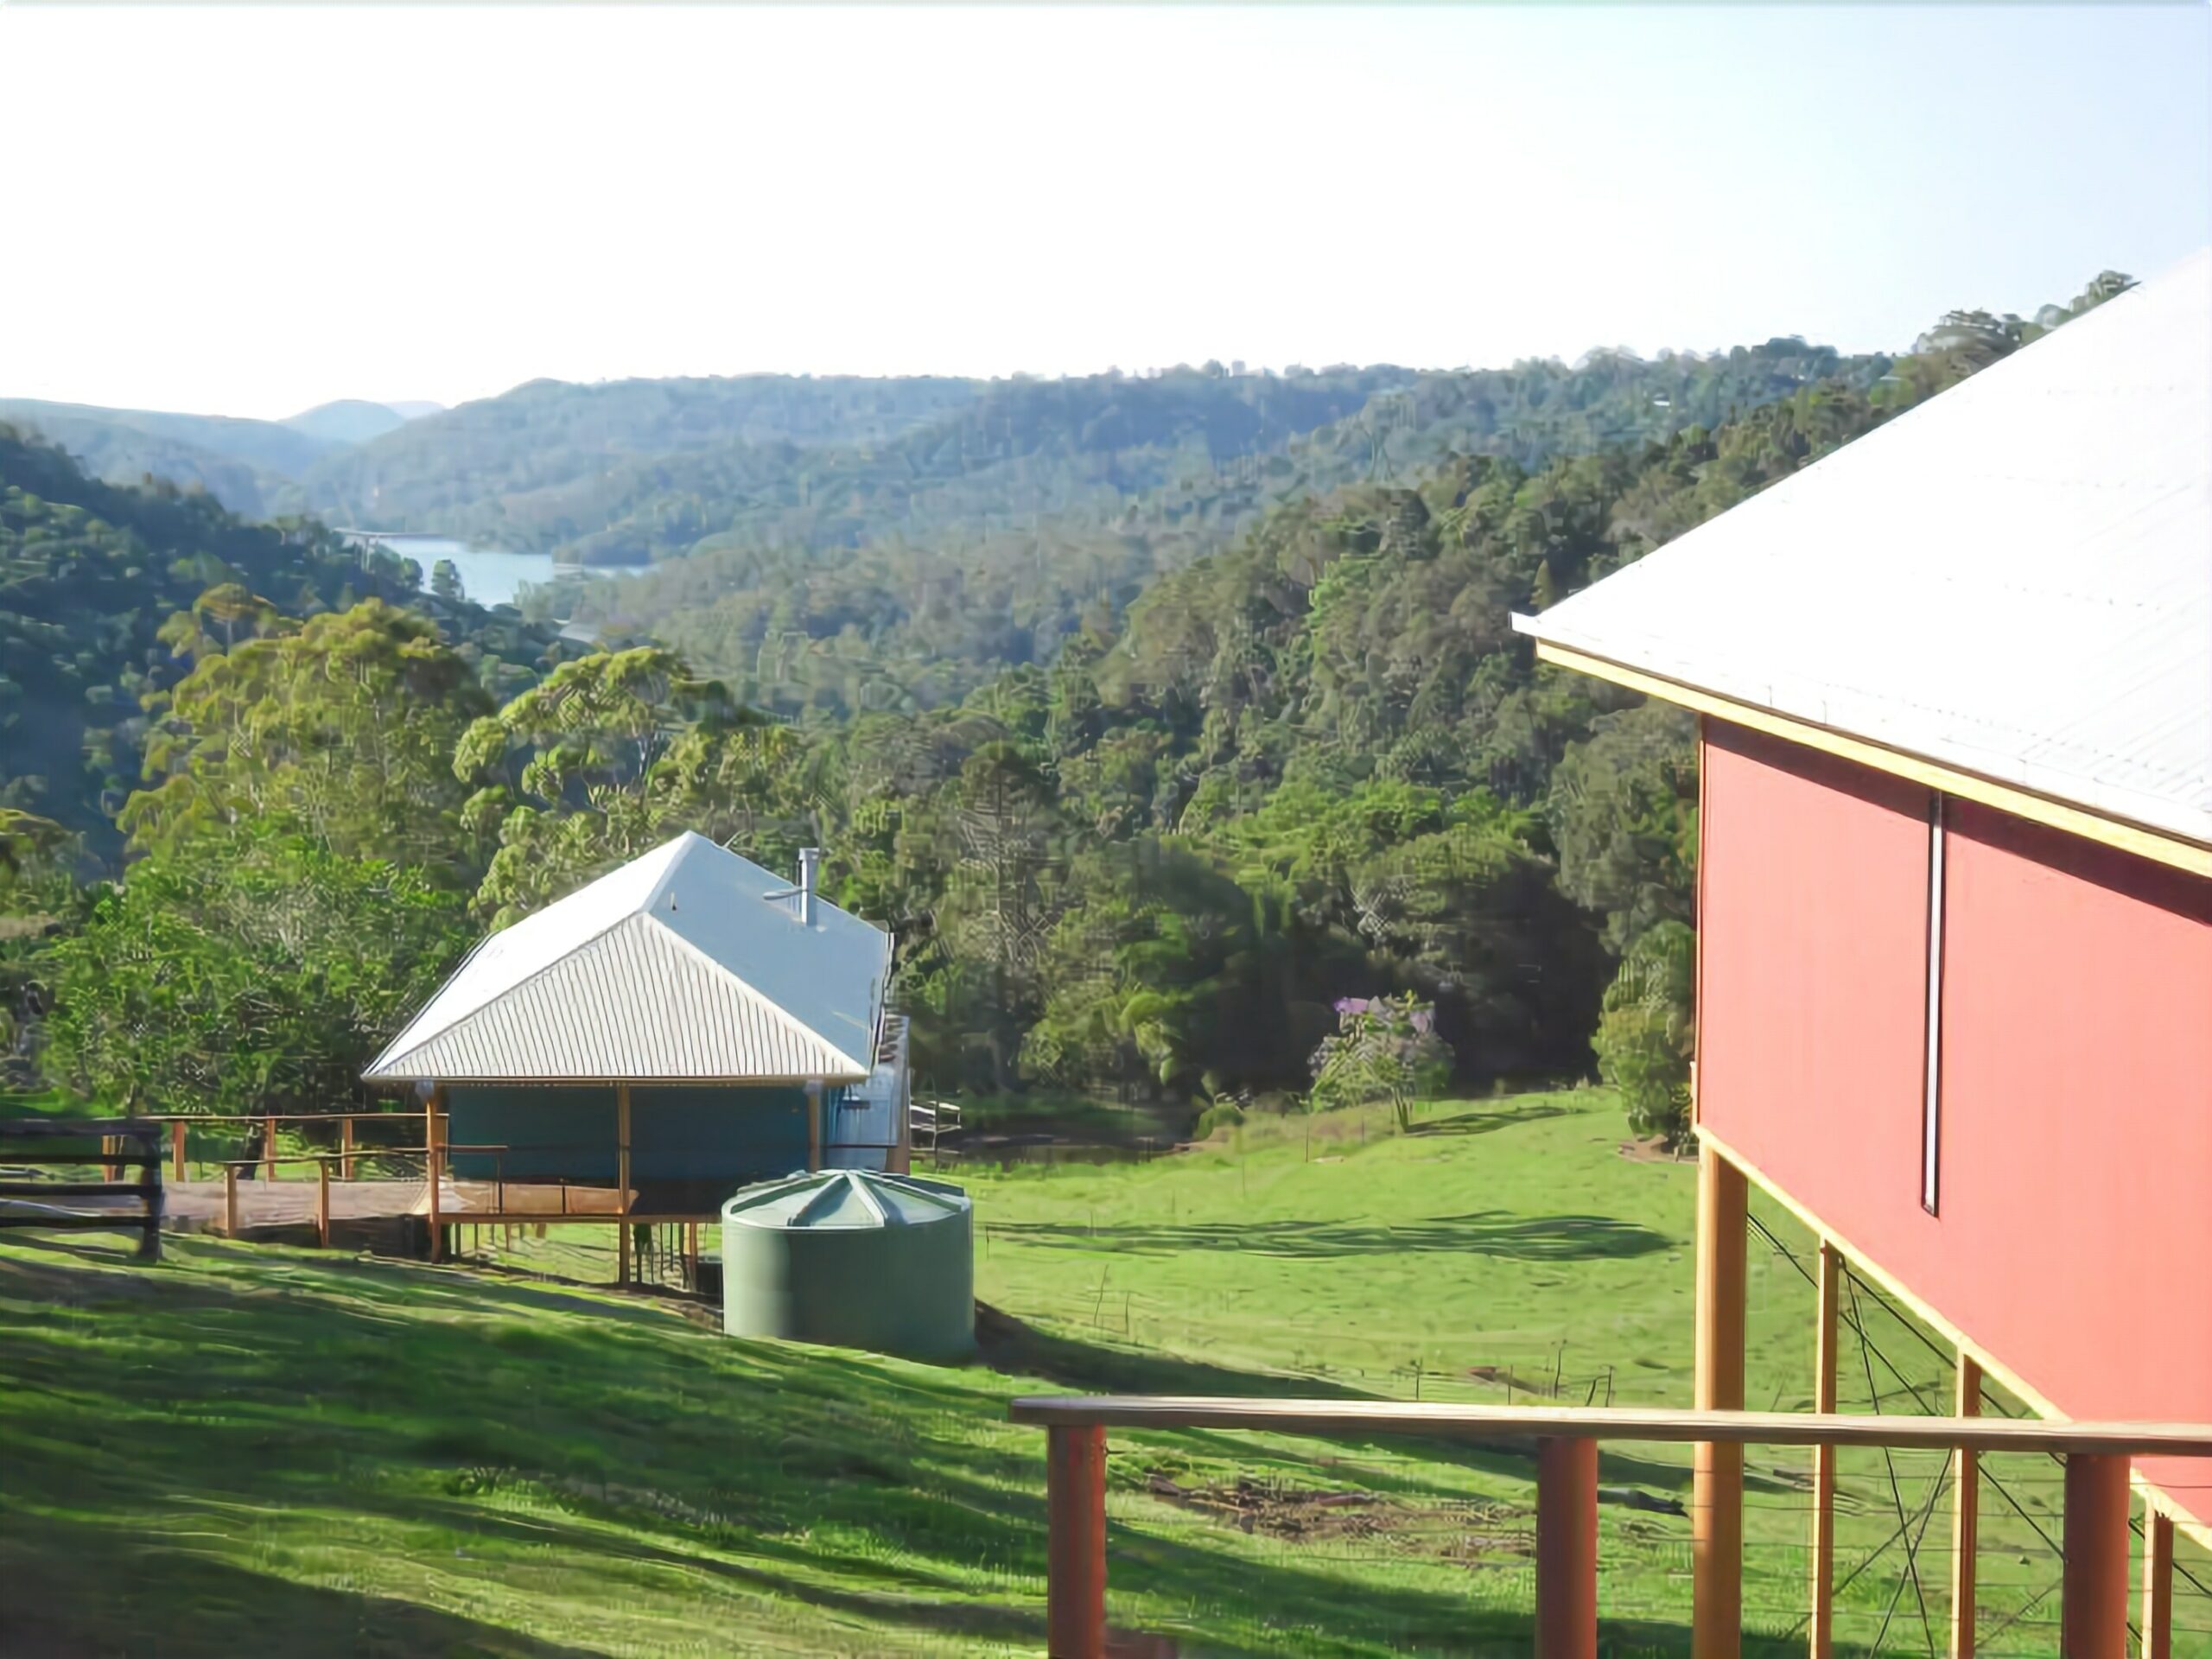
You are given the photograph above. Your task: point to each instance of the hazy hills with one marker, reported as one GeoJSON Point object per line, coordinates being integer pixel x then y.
{"type": "Point", "coordinates": [252, 467]}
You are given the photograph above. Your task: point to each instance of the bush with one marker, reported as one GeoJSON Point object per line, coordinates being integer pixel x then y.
{"type": "Point", "coordinates": [1646, 1031]}
{"type": "Point", "coordinates": [1384, 1048]}
{"type": "Point", "coordinates": [1222, 1115]}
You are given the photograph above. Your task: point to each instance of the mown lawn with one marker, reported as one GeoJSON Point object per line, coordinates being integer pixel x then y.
{"type": "Point", "coordinates": [264, 1450]}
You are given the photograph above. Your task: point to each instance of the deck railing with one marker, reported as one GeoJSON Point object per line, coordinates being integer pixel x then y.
{"type": "Point", "coordinates": [2094, 1586]}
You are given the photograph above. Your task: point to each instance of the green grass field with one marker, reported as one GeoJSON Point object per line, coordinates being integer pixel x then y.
{"type": "Point", "coordinates": [264, 1450]}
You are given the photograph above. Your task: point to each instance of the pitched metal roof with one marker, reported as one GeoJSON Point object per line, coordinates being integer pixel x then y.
{"type": "Point", "coordinates": [2013, 579]}
{"type": "Point", "coordinates": [688, 963]}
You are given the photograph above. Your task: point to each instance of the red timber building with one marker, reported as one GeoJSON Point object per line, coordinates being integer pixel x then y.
{"type": "Point", "coordinates": [1954, 890]}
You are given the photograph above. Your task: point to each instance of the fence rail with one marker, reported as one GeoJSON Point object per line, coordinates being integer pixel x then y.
{"type": "Point", "coordinates": [33, 1141]}
{"type": "Point", "coordinates": [2094, 1588]}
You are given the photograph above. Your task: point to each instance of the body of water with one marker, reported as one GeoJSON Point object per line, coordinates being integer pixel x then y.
{"type": "Point", "coordinates": [489, 575]}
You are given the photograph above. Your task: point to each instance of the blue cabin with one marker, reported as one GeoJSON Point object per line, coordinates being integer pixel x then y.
{"type": "Point", "coordinates": [682, 1026]}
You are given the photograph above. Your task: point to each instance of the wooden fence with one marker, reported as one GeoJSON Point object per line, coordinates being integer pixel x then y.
{"type": "Point", "coordinates": [43, 1141]}
{"type": "Point", "coordinates": [2094, 1586]}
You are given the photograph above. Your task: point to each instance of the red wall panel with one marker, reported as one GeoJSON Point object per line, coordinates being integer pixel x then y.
{"type": "Point", "coordinates": [2076, 1221]}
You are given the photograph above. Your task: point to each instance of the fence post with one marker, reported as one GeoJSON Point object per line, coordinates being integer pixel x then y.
{"type": "Point", "coordinates": [176, 1150]}
{"type": "Point", "coordinates": [2093, 1608]}
{"type": "Point", "coordinates": [346, 1147]}
{"type": "Point", "coordinates": [149, 1190]}
{"type": "Point", "coordinates": [1566, 1547]}
{"type": "Point", "coordinates": [231, 1200]}
{"type": "Point", "coordinates": [1075, 1505]}
{"type": "Point", "coordinates": [322, 1202]}
{"type": "Point", "coordinates": [269, 1149]}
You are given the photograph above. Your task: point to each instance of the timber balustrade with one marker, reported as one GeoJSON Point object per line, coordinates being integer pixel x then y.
{"type": "Point", "coordinates": [2094, 1586]}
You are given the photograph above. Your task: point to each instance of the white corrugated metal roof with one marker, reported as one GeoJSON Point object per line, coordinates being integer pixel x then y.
{"type": "Point", "coordinates": [689, 962]}
{"type": "Point", "coordinates": [2014, 579]}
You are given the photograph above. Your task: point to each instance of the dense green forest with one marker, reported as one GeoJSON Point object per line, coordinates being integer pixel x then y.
{"type": "Point", "coordinates": [1256, 801]}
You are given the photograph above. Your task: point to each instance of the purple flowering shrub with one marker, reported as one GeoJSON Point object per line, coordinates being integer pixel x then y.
{"type": "Point", "coordinates": [1383, 1048]}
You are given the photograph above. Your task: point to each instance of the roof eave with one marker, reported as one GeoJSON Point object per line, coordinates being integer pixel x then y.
{"type": "Point", "coordinates": [2146, 834]}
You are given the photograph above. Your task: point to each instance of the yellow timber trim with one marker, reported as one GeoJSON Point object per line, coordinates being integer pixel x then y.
{"type": "Point", "coordinates": [1993, 1368]}
{"type": "Point", "coordinates": [2026, 804]}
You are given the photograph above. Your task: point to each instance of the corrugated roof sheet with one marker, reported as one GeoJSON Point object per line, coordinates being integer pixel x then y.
{"type": "Point", "coordinates": [689, 962]}
{"type": "Point", "coordinates": [2014, 579]}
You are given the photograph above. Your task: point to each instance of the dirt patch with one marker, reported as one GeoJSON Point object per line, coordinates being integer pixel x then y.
{"type": "Point", "coordinates": [1465, 1531]}
{"type": "Point", "coordinates": [1652, 1149]}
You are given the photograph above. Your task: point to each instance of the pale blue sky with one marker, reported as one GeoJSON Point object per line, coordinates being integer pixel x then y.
{"type": "Point", "coordinates": [249, 211]}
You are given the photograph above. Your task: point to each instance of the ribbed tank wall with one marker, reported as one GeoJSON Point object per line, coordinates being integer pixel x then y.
{"type": "Point", "coordinates": [906, 1288]}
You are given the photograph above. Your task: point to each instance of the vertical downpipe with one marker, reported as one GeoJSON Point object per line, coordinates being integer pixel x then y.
{"type": "Point", "coordinates": [809, 869]}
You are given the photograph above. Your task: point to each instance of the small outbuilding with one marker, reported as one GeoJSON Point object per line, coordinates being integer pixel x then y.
{"type": "Point", "coordinates": [683, 1026]}
{"type": "Point", "coordinates": [855, 1259]}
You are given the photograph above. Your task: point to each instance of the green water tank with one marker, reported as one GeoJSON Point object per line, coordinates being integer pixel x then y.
{"type": "Point", "coordinates": [852, 1258]}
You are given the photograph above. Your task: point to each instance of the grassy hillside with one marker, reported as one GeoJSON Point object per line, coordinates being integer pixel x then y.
{"type": "Point", "coordinates": [280, 1453]}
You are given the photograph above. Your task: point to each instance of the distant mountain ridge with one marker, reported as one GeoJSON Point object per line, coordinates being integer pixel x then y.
{"type": "Point", "coordinates": [348, 420]}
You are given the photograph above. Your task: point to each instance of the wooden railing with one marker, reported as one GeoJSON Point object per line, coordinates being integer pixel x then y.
{"type": "Point", "coordinates": [177, 1124]}
{"type": "Point", "coordinates": [33, 1140]}
{"type": "Point", "coordinates": [2094, 1588]}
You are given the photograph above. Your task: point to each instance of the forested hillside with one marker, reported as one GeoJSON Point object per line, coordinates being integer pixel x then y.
{"type": "Point", "coordinates": [531, 469]}
{"type": "Point", "coordinates": [991, 539]}
{"type": "Point", "coordinates": [1291, 808]}
{"type": "Point", "coordinates": [108, 592]}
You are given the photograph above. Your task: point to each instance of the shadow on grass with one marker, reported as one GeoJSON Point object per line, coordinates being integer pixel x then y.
{"type": "Point", "coordinates": [153, 1598]}
{"type": "Point", "coordinates": [1084, 1368]}
{"type": "Point", "coordinates": [1478, 1122]}
{"type": "Point", "coordinates": [1486, 1232]}
{"type": "Point", "coordinates": [496, 1440]}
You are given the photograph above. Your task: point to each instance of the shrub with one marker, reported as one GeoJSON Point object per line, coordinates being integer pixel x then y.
{"type": "Point", "coordinates": [1383, 1048]}
{"type": "Point", "coordinates": [1646, 1032]}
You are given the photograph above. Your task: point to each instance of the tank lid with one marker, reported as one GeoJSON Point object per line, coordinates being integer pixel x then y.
{"type": "Point", "coordinates": [845, 1197]}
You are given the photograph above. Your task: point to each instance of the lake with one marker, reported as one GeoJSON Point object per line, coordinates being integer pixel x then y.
{"type": "Point", "coordinates": [490, 576]}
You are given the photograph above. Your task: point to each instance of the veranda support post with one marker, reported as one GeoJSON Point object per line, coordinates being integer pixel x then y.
{"type": "Point", "coordinates": [1966, 1513]}
{"type": "Point", "coordinates": [622, 1185]}
{"type": "Point", "coordinates": [2158, 1586]}
{"type": "Point", "coordinates": [1821, 1625]}
{"type": "Point", "coordinates": [2093, 1616]}
{"type": "Point", "coordinates": [434, 1165]}
{"type": "Point", "coordinates": [1717, 1502]}
{"type": "Point", "coordinates": [1566, 1548]}
{"type": "Point", "coordinates": [1075, 1504]}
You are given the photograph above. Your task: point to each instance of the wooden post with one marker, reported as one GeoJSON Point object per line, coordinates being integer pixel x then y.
{"type": "Point", "coordinates": [1074, 1508]}
{"type": "Point", "coordinates": [622, 1185]}
{"type": "Point", "coordinates": [269, 1149]}
{"type": "Point", "coordinates": [176, 1150]}
{"type": "Point", "coordinates": [231, 1200]}
{"type": "Point", "coordinates": [1717, 1499]}
{"type": "Point", "coordinates": [346, 1147]}
{"type": "Point", "coordinates": [1966, 1513]}
{"type": "Point", "coordinates": [814, 1126]}
{"type": "Point", "coordinates": [1820, 1627]}
{"type": "Point", "coordinates": [322, 1202]}
{"type": "Point", "coordinates": [434, 1165]}
{"type": "Point", "coordinates": [2093, 1610]}
{"type": "Point", "coordinates": [1566, 1548]}
{"type": "Point", "coordinates": [2158, 1586]}
{"type": "Point", "coordinates": [150, 1192]}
